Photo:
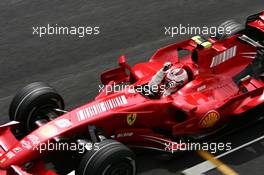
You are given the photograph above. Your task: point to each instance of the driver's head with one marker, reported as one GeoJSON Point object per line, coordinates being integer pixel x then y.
{"type": "Point", "coordinates": [176, 74]}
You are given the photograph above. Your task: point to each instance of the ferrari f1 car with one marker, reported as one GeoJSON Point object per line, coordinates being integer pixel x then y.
{"type": "Point", "coordinates": [226, 78]}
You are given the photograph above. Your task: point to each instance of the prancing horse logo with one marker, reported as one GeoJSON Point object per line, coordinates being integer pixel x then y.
{"type": "Point", "coordinates": [131, 118]}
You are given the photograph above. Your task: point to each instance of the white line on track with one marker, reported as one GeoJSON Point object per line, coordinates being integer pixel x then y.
{"type": "Point", "coordinates": [206, 166]}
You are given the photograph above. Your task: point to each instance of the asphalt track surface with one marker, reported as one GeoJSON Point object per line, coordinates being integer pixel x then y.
{"type": "Point", "coordinates": [134, 28]}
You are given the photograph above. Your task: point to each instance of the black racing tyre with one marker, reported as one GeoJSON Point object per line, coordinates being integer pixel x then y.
{"type": "Point", "coordinates": [231, 27]}
{"type": "Point", "coordinates": [112, 158]}
{"type": "Point", "coordinates": [32, 103]}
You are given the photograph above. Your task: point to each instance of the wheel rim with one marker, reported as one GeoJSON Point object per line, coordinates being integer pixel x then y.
{"type": "Point", "coordinates": [40, 112]}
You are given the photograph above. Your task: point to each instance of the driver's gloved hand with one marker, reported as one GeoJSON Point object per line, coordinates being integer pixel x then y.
{"type": "Point", "coordinates": [166, 66]}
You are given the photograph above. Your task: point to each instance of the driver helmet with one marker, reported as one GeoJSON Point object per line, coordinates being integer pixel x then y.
{"type": "Point", "coordinates": [176, 74]}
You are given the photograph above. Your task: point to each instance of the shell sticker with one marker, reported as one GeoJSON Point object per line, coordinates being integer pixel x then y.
{"type": "Point", "coordinates": [210, 119]}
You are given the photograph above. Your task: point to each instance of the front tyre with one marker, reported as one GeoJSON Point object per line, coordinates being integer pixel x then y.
{"type": "Point", "coordinates": [111, 158]}
{"type": "Point", "coordinates": [34, 102]}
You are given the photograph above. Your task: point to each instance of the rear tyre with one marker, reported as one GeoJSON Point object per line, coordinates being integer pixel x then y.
{"type": "Point", "coordinates": [34, 102]}
{"type": "Point", "coordinates": [111, 158]}
{"type": "Point", "coordinates": [231, 27]}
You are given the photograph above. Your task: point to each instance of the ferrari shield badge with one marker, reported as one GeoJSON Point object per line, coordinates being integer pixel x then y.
{"type": "Point", "coordinates": [131, 118]}
{"type": "Point", "coordinates": [210, 119]}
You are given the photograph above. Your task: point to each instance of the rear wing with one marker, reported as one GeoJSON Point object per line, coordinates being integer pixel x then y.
{"type": "Point", "coordinates": [228, 56]}
{"type": "Point", "coordinates": [256, 21]}
{"type": "Point", "coordinates": [255, 27]}
{"type": "Point", "coordinates": [170, 53]}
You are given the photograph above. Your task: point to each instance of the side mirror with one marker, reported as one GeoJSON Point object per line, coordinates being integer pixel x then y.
{"type": "Point", "coordinates": [122, 60]}
{"type": "Point", "coordinates": [116, 75]}
{"type": "Point", "coordinates": [245, 80]}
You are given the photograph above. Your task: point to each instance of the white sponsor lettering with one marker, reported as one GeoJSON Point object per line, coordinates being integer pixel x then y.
{"type": "Point", "coordinates": [224, 56]}
{"type": "Point", "coordinates": [10, 154]}
{"type": "Point", "coordinates": [26, 144]}
{"type": "Point", "coordinates": [201, 88]}
{"type": "Point", "coordinates": [126, 134]}
{"type": "Point", "coordinates": [101, 107]}
{"type": "Point", "coordinates": [63, 123]}
{"type": "Point", "coordinates": [34, 140]}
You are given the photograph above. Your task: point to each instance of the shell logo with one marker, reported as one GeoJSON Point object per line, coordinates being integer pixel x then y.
{"type": "Point", "coordinates": [210, 119]}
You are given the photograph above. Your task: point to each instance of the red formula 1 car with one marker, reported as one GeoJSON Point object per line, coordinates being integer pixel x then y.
{"type": "Point", "coordinates": [226, 78]}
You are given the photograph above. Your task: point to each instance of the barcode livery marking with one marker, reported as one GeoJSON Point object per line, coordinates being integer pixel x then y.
{"type": "Point", "coordinates": [224, 56]}
{"type": "Point", "coordinates": [101, 107]}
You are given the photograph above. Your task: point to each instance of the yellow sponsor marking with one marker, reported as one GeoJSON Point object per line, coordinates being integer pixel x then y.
{"type": "Point", "coordinates": [3, 160]}
{"type": "Point", "coordinates": [219, 165]}
{"type": "Point", "coordinates": [210, 119]}
{"type": "Point", "coordinates": [131, 118]}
